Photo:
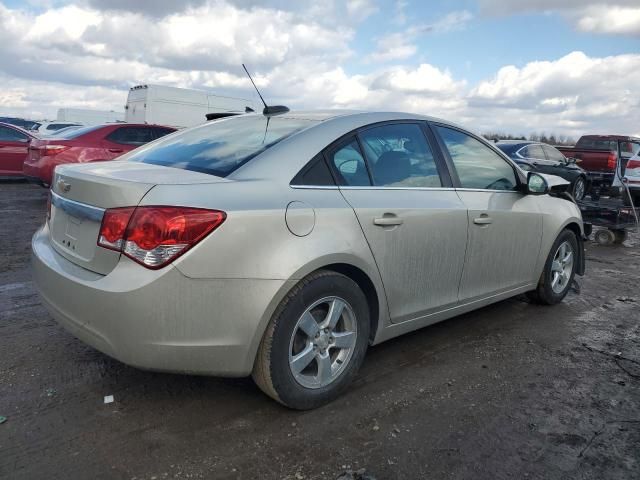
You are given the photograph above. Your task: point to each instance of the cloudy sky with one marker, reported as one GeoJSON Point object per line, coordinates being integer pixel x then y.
{"type": "Point", "coordinates": [494, 65]}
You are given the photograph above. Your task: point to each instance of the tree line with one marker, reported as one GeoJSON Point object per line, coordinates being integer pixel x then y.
{"type": "Point", "coordinates": [551, 139]}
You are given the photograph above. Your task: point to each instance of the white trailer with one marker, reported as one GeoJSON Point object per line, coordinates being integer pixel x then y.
{"type": "Point", "coordinates": [85, 116]}
{"type": "Point", "coordinates": [178, 107]}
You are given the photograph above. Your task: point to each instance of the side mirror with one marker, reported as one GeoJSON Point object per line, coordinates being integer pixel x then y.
{"type": "Point", "coordinates": [572, 160]}
{"type": "Point", "coordinates": [536, 184]}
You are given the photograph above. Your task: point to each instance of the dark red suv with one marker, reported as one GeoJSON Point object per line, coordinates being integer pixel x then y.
{"type": "Point", "coordinates": [87, 144]}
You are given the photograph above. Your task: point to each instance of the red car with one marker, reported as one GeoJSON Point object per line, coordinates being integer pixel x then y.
{"type": "Point", "coordinates": [14, 147]}
{"type": "Point", "coordinates": [87, 144]}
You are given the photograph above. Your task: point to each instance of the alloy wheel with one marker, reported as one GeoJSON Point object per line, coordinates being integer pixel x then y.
{"type": "Point", "coordinates": [562, 267]}
{"type": "Point", "coordinates": [322, 342]}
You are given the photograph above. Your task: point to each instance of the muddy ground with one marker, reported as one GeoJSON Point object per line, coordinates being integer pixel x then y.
{"type": "Point", "coordinates": [510, 391]}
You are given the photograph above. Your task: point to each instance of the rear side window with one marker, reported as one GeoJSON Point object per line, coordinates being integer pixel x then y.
{"type": "Point", "coordinates": [316, 173]}
{"type": "Point", "coordinates": [221, 147]}
{"type": "Point", "coordinates": [11, 135]}
{"type": "Point", "coordinates": [533, 151]}
{"type": "Point", "coordinates": [161, 132]}
{"type": "Point", "coordinates": [478, 166]}
{"type": "Point", "coordinates": [350, 165]}
{"type": "Point", "coordinates": [131, 135]}
{"type": "Point", "coordinates": [399, 156]}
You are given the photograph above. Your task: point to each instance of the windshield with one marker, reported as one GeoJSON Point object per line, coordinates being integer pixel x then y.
{"type": "Point", "coordinates": [220, 147]}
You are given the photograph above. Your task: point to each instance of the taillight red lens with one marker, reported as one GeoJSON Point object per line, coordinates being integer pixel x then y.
{"type": "Point", "coordinates": [114, 226]}
{"type": "Point", "coordinates": [155, 236]}
{"type": "Point", "coordinates": [612, 161]}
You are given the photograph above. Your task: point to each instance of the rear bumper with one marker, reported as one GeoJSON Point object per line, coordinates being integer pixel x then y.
{"type": "Point", "coordinates": [156, 320]}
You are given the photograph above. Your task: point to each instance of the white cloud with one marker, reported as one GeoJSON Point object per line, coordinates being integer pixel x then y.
{"type": "Point", "coordinates": [610, 20]}
{"type": "Point", "coordinates": [400, 45]}
{"type": "Point", "coordinates": [617, 17]}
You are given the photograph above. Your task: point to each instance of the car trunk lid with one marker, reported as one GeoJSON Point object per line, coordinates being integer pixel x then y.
{"type": "Point", "coordinates": [80, 194]}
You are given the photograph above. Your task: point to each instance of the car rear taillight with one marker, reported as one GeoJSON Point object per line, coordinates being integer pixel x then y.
{"type": "Point", "coordinates": [612, 161]}
{"type": "Point", "coordinates": [46, 150]}
{"type": "Point", "coordinates": [156, 236]}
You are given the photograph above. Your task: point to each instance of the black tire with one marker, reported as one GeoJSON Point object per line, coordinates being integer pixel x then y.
{"type": "Point", "coordinates": [272, 372]}
{"type": "Point", "coordinates": [579, 188]}
{"type": "Point", "coordinates": [619, 236]}
{"type": "Point", "coordinates": [544, 293]}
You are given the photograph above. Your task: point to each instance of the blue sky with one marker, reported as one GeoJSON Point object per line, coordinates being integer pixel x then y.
{"type": "Point", "coordinates": [512, 66]}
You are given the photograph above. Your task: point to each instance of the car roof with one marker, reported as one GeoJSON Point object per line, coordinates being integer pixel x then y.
{"type": "Point", "coordinates": [326, 126]}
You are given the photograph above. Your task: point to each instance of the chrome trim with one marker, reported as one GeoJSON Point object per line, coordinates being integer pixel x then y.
{"type": "Point", "coordinates": [373, 187]}
{"type": "Point", "coordinates": [314, 187]}
{"type": "Point", "coordinates": [77, 209]}
{"type": "Point", "coordinates": [485, 190]}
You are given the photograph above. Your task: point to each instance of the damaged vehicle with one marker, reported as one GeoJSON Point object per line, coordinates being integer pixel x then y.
{"type": "Point", "coordinates": [283, 246]}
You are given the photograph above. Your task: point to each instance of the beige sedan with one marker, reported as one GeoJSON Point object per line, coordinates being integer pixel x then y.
{"type": "Point", "coordinates": [283, 246]}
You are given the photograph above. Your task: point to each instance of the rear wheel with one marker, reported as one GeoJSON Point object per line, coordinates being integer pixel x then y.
{"type": "Point", "coordinates": [559, 270]}
{"type": "Point", "coordinates": [579, 188]}
{"type": "Point", "coordinates": [315, 342]}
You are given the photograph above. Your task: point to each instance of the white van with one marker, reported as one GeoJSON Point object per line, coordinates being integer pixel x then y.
{"type": "Point", "coordinates": [178, 107]}
{"type": "Point", "coordinates": [86, 116]}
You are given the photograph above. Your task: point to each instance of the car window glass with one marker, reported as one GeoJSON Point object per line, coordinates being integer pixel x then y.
{"type": "Point", "coordinates": [399, 156]}
{"type": "Point", "coordinates": [131, 135]}
{"type": "Point", "coordinates": [316, 173]}
{"type": "Point", "coordinates": [161, 132]}
{"type": "Point", "coordinates": [553, 154]}
{"type": "Point", "coordinates": [350, 165]}
{"type": "Point", "coordinates": [221, 147]}
{"type": "Point", "coordinates": [476, 164]}
{"type": "Point", "coordinates": [11, 135]}
{"type": "Point", "coordinates": [534, 151]}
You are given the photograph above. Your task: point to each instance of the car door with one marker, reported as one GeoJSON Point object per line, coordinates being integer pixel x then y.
{"type": "Point", "coordinates": [14, 147]}
{"type": "Point", "coordinates": [505, 225]}
{"type": "Point", "coordinates": [412, 218]}
{"type": "Point", "coordinates": [125, 139]}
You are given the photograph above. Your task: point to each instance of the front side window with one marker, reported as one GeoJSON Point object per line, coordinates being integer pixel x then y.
{"type": "Point", "coordinates": [553, 154]}
{"type": "Point", "coordinates": [399, 156]}
{"type": "Point", "coordinates": [477, 166]}
{"type": "Point", "coordinates": [350, 165]}
{"type": "Point", "coordinates": [11, 135]}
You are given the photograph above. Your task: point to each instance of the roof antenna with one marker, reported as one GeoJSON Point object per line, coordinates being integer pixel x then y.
{"type": "Point", "coordinates": [268, 110]}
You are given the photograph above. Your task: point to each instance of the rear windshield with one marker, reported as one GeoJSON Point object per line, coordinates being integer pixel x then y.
{"type": "Point", "coordinates": [220, 147]}
{"type": "Point", "coordinates": [71, 134]}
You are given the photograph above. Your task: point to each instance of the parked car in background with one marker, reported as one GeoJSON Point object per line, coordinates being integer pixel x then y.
{"type": "Point", "coordinates": [215, 250]}
{"type": "Point", "coordinates": [598, 155]}
{"type": "Point", "coordinates": [86, 144]}
{"type": "Point", "coordinates": [631, 179]}
{"type": "Point", "coordinates": [21, 122]}
{"type": "Point", "coordinates": [61, 131]}
{"type": "Point", "coordinates": [48, 128]}
{"type": "Point", "coordinates": [14, 147]}
{"type": "Point", "coordinates": [543, 158]}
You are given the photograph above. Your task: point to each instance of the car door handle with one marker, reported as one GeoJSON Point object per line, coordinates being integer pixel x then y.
{"type": "Point", "coordinates": [387, 221]}
{"type": "Point", "coordinates": [115, 150]}
{"type": "Point", "coordinates": [483, 220]}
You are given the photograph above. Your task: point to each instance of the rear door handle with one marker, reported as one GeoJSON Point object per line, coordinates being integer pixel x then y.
{"type": "Point", "coordinates": [387, 221]}
{"type": "Point", "coordinates": [483, 220]}
{"type": "Point", "coordinates": [116, 150]}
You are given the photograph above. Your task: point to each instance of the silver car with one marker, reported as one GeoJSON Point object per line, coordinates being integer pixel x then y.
{"type": "Point", "coordinates": [283, 246]}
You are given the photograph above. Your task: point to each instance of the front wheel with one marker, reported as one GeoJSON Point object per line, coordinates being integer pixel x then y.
{"type": "Point", "coordinates": [315, 342]}
{"type": "Point", "coordinates": [579, 188]}
{"type": "Point", "coordinates": [559, 270]}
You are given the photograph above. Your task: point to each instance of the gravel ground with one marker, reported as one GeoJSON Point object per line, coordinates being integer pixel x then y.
{"type": "Point", "coordinates": [510, 391]}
